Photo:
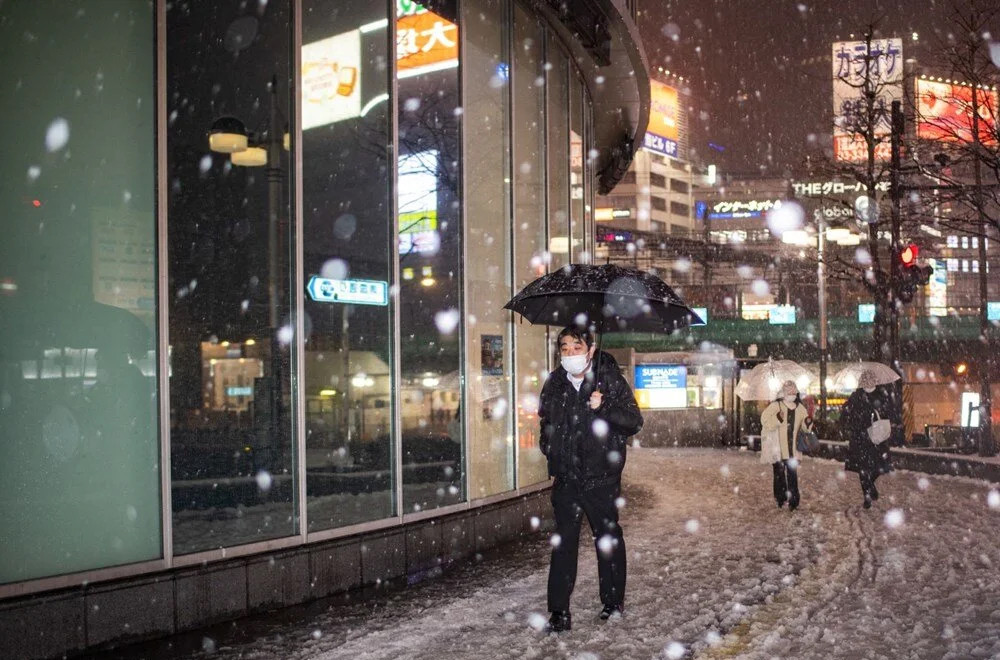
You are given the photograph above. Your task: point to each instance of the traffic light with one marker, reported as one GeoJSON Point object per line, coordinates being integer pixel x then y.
{"type": "Point", "coordinates": [911, 275]}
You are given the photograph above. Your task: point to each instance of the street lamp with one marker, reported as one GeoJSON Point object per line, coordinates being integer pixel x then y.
{"type": "Point", "coordinates": [229, 135]}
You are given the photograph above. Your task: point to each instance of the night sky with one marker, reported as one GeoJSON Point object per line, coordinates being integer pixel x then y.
{"type": "Point", "coordinates": [759, 70]}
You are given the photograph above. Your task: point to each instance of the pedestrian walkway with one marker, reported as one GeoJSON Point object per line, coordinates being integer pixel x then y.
{"type": "Point", "coordinates": [716, 570]}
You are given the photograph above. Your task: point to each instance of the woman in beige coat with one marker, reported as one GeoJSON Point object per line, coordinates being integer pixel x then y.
{"type": "Point", "coordinates": [780, 424]}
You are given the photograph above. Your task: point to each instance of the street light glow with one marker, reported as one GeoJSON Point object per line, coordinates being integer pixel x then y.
{"type": "Point", "coordinates": [250, 157]}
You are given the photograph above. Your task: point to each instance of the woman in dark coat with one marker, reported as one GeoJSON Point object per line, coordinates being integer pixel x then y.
{"type": "Point", "coordinates": [868, 459]}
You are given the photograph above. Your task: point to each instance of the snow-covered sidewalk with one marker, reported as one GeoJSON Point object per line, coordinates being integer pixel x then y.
{"type": "Point", "coordinates": [716, 570]}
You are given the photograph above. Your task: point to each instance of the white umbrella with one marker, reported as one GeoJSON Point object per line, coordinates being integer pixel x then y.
{"type": "Point", "coordinates": [846, 380]}
{"type": "Point", "coordinates": [765, 380]}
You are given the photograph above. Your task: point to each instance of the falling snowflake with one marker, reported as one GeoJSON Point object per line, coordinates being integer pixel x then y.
{"type": "Point", "coordinates": [894, 518]}
{"type": "Point", "coordinates": [537, 621]}
{"type": "Point", "coordinates": [674, 650]}
{"type": "Point", "coordinates": [57, 134]}
{"type": "Point", "coordinates": [447, 320]}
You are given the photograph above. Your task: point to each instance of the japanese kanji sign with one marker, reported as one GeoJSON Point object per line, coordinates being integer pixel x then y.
{"type": "Point", "coordinates": [425, 42]}
{"type": "Point", "coordinates": [880, 63]}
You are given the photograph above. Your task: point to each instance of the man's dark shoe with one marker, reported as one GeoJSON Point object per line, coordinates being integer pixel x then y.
{"type": "Point", "coordinates": [874, 493]}
{"type": "Point", "coordinates": [868, 502]}
{"type": "Point", "coordinates": [781, 504]}
{"type": "Point", "coordinates": [559, 622]}
{"type": "Point", "coordinates": [612, 612]}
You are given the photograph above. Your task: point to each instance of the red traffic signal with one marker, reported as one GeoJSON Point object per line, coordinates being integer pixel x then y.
{"type": "Point", "coordinates": [908, 255]}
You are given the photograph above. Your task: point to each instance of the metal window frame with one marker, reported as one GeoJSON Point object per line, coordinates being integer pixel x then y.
{"type": "Point", "coordinates": [298, 375]}
{"type": "Point", "coordinates": [463, 281]}
{"type": "Point", "coordinates": [396, 432]}
{"type": "Point", "coordinates": [163, 288]}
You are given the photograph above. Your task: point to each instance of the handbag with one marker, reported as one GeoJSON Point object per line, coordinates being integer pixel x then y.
{"type": "Point", "coordinates": [880, 430]}
{"type": "Point", "coordinates": [806, 442]}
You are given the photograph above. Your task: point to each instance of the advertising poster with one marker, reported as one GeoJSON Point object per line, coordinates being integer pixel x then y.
{"type": "Point", "coordinates": [491, 353]}
{"type": "Point", "coordinates": [331, 80]}
{"type": "Point", "coordinates": [662, 133]}
{"type": "Point", "coordinates": [937, 289]}
{"type": "Point", "coordinates": [944, 112]}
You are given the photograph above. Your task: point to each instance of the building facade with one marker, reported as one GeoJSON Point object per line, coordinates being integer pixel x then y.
{"type": "Point", "coordinates": [251, 292]}
{"type": "Point", "coordinates": [667, 176]}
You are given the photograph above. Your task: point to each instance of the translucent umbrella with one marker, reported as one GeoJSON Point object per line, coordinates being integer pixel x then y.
{"type": "Point", "coordinates": [846, 380]}
{"type": "Point", "coordinates": [765, 380]}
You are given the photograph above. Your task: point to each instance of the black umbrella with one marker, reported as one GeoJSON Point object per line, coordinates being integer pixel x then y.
{"type": "Point", "coordinates": [603, 298]}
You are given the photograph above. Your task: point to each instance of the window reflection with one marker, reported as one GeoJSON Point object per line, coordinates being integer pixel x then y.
{"type": "Point", "coordinates": [347, 383]}
{"type": "Point", "coordinates": [430, 231]}
{"type": "Point", "coordinates": [530, 253]}
{"type": "Point", "coordinates": [229, 239]}
{"type": "Point", "coordinates": [488, 355]}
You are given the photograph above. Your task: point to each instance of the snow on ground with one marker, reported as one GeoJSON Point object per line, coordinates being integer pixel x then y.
{"type": "Point", "coordinates": [914, 577]}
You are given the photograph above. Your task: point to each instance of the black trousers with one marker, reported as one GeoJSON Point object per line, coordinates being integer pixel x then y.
{"type": "Point", "coordinates": [868, 483]}
{"type": "Point", "coordinates": [570, 503]}
{"type": "Point", "coordinates": [786, 483]}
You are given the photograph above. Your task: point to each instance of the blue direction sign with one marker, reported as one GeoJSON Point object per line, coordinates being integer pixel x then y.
{"type": "Point", "coordinates": [355, 292]}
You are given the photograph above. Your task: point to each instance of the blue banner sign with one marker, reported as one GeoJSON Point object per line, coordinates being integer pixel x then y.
{"type": "Point", "coordinates": [660, 144]}
{"type": "Point", "coordinates": [993, 311]}
{"type": "Point", "coordinates": [239, 390]}
{"type": "Point", "coordinates": [702, 313]}
{"type": "Point", "coordinates": [660, 376]}
{"type": "Point", "coordinates": [866, 312]}
{"type": "Point", "coordinates": [782, 315]}
{"type": "Point", "coordinates": [356, 292]}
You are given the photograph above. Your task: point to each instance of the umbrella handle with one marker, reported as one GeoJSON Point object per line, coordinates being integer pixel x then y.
{"type": "Point", "coordinates": [597, 367]}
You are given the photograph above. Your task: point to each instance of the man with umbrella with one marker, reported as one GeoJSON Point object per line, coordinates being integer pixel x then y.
{"type": "Point", "coordinates": [587, 412]}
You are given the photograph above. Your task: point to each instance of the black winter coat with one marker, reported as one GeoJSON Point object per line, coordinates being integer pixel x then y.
{"type": "Point", "coordinates": [568, 439]}
{"type": "Point", "coordinates": [863, 455]}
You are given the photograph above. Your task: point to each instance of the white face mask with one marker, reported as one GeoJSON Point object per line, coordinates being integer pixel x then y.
{"type": "Point", "coordinates": [869, 389]}
{"type": "Point", "coordinates": [789, 401]}
{"type": "Point", "coordinates": [574, 364]}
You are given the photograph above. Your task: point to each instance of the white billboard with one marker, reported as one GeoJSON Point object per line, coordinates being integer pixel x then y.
{"type": "Point", "coordinates": [331, 79]}
{"type": "Point", "coordinates": [880, 62]}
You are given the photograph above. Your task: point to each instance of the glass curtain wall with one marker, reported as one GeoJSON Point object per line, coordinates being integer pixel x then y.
{"type": "Point", "coordinates": [347, 232]}
{"type": "Point", "coordinates": [530, 252]}
{"type": "Point", "coordinates": [79, 447]}
{"type": "Point", "coordinates": [557, 91]}
{"type": "Point", "coordinates": [488, 354]}
{"type": "Point", "coordinates": [577, 220]}
{"type": "Point", "coordinates": [231, 335]}
{"type": "Point", "coordinates": [429, 252]}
